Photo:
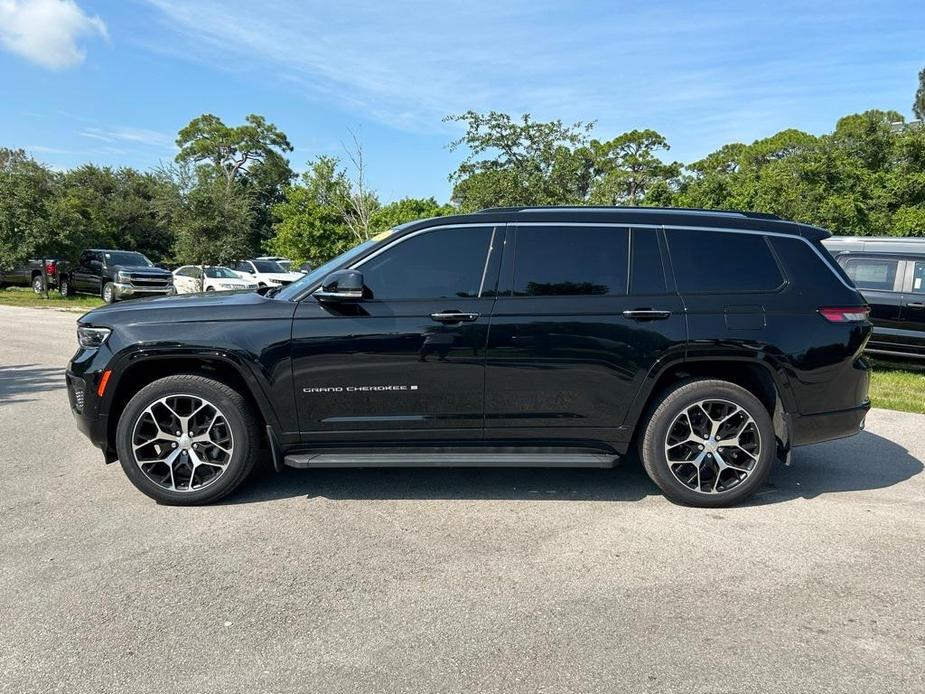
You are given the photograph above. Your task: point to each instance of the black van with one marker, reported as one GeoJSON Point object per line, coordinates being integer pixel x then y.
{"type": "Point", "coordinates": [890, 272]}
{"type": "Point", "coordinates": [711, 342]}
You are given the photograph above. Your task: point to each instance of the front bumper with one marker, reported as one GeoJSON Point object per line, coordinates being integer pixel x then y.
{"type": "Point", "coordinates": [825, 426]}
{"type": "Point", "coordinates": [125, 291]}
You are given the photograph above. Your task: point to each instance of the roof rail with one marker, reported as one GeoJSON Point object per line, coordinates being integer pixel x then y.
{"type": "Point", "coordinates": [617, 208]}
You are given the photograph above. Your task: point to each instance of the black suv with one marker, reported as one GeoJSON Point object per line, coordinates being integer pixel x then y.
{"type": "Point", "coordinates": [712, 342]}
{"type": "Point", "coordinates": [114, 275]}
{"type": "Point", "coordinates": [890, 272]}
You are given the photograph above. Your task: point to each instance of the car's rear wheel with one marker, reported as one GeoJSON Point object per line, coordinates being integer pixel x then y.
{"type": "Point", "coordinates": [708, 443]}
{"type": "Point", "coordinates": [187, 439]}
{"type": "Point", "coordinates": [38, 286]}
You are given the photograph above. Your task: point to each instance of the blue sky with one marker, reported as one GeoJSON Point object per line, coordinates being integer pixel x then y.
{"type": "Point", "coordinates": [112, 82]}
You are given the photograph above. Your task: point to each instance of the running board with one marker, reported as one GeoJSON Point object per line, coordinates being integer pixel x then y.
{"type": "Point", "coordinates": [313, 460]}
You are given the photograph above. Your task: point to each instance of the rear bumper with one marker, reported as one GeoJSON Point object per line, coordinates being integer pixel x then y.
{"type": "Point", "coordinates": [825, 426]}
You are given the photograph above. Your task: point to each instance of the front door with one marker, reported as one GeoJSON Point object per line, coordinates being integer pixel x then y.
{"type": "Point", "coordinates": [912, 318]}
{"type": "Point", "coordinates": [574, 331]}
{"type": "Point", "coordinates": [408, 361]}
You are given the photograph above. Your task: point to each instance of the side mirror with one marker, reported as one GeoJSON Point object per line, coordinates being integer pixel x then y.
{"type": "Point", "coordinates": [342, 285]}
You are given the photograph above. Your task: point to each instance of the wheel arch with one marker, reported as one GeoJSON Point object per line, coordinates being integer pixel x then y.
{"type": "Point", "coordinates": [145, 369]}
{"type": "Point", "coordinates": [758, 377]}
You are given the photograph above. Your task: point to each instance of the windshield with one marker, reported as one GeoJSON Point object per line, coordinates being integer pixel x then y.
{"type": "Point", "coordinates": [129, 258]}
{"type": "Point", "coordinates": [267, 266]}
{"type": "Point", "coordinates": [221, 272]}
{"type": "Point", "coordinates": [291, 291]}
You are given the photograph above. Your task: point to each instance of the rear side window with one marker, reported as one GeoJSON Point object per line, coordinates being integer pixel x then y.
{"type": "Point", "coordinates": [570, 261]}
{"type": "Point", "coordinates": [717, 261]}
{"type": "Point", "coordinates": [872, 273]}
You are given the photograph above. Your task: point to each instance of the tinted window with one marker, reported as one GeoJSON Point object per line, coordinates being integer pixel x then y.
{"type": "Point", "coordinates": [718, 261]}
{"type": "Point", "coordinates": [267, 266]}
{"type": "Point", "coordinates": [570, 261]}
{"type": "Point", "coordinates": [872, 273]}
{"type": "Point", "coordinates": [646, 273]}
{"type": "Point", "coordinates": [918, 278]}
{"type": "Point", "coordinates": [438, 264]}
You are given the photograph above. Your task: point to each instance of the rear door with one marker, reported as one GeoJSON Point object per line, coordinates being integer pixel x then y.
{"type": "Point", "coordinates": [575, 331]}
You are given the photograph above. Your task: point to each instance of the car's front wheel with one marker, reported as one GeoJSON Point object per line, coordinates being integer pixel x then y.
{"type": "Point", "coordinates": [109, 293]}
{"type": "Point", "coordinates": [708, 443]}
{"type": "Point", "coordinates": [64, 287]}
{"type": "Point", "coordinates": [187, 439]}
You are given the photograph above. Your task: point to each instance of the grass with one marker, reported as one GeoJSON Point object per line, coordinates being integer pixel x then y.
{"type": "Point", "coordinates": [893, 386]}
{"type": "Point", "coordinates": [898, 386]}
{"type": "Point", "coordinates": [24, 296]}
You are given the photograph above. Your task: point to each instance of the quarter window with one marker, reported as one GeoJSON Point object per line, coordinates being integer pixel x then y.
{"type": "Point", "coordinates": [440, 264]}
{"type": "Point", "coordinates": [719, 261]}
{"type": "Point", "coordinates": [872, 273]}
{"type": "Point", "coordinates": [570, 261]}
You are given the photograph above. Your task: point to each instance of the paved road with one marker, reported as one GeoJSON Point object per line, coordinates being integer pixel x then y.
{"type": "Point", "coordinates": [446, 580]}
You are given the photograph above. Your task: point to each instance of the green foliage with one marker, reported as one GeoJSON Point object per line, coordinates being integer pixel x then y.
{"type": "Point", "coordinates": [627, 167]}
{"type": "Point", "coordinates": [408, 210]}
{"type": "Point", "coordinates": [30, 224]}
{"type": "Point", "coordinates": [862, 179]}
{"type": "Point", "coordinates": [311, 224]}
{"type": "Point", "coordinates": [211, 221]}
{"type": "Point", "coordinates": [523, 162]}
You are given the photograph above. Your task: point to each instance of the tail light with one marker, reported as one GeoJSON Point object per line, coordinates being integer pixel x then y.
{"type": "Point", "coordinates": [50, 267]}
{"type": "Point", "coordinates": [845, 314]}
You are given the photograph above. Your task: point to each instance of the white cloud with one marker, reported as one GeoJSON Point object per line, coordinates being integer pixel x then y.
{"type": "Point", "coordinates": [47, 31]}
{"type": "Point", "coordinates": [142, 136]}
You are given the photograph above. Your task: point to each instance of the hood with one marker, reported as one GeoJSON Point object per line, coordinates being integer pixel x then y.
{"type": "Point", "coordinates": [205, 307]}
{"type": "Point", "coordinates": [283, 276]}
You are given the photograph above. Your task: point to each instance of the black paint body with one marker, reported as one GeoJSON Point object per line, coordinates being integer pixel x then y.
{"type": "Point", "coordinates": [527, 372]}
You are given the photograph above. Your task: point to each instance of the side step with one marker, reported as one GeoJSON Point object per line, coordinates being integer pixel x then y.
{"type": "Point", "coordinates": [313, 460]}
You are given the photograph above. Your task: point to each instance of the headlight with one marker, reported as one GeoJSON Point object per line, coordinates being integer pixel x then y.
{"type": "Point", "coordinates": [92, 337]}
{"type": "Point", "coordinates": [123, 276]}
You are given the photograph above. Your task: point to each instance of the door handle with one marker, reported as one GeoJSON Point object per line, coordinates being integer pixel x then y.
{"type": "Point", "coordinates": [915, 304]}
{"type": "Point", "coordinates": [453, 317]}
{"type": "Point", "coordinates": [646, 314]}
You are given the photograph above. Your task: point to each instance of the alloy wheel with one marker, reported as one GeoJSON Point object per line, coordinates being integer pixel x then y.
{"type": "Point", "coordinates": [713, 446]}
{"type": "Point", "coordinates": [182, 443]}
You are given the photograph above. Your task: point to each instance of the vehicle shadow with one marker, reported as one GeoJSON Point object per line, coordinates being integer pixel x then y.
{"type": "Point", "coordinates": [863, 462]}
{"type": "Point", "coordinates": [20, 380]}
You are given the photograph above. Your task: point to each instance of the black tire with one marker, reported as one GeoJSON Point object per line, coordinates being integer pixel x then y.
{"type": "Point", "coordinates": [238, 414]}
{"type": "Point", "coordinates": [64, 287]}
{"type": "Point", "coordinates": [210, 289]}
{"type": "Point", "coordinates": [654, 437]}
{"type": "Point", "coordinates": [108, 293]}
{"type": "Point", "coordinates": [38, 286]}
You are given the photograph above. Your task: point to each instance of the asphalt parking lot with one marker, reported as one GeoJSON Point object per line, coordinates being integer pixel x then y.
{"type": "Point", "coordinates": [448, 580]}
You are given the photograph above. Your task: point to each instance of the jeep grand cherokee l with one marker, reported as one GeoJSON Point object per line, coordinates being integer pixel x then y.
{"type": "Point", "coordinates": [712, 342]}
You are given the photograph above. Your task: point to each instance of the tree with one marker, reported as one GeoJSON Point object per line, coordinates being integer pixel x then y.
{"type": "Point", "coordinates": [523, 162]}
{"type": "Point", "coordinates": [360, 203]}
{"type": "Point", "coordinates": [310, 224]}
{"type": "Point", "coordinates": [627, 166]}
{"type": "Point", "coordinates": [918, 106]}
{"type": "Point", "coordinates": [232, 151]}
{"type": "Point", "coordinates": [212, 221]}
{"type": "Point", "coordinates": [408, 210]}
{"type": "Point", "coordinates": [29, 226]}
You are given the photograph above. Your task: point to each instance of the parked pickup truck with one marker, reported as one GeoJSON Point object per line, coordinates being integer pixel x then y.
{"type": "Point", "coordinates": [115, 275]}
{"type": "Point", "coordinates": [30, 274]}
